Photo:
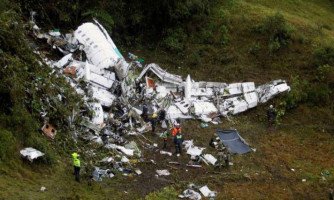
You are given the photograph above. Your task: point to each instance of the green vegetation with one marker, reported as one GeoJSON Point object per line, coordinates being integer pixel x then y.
{"type": "Point", "coordinates": [226, 41]}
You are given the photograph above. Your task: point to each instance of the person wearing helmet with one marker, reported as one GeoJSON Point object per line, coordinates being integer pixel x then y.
{"type": "Point", "coordinates": [271, 115]}
{"type": "Point", "coordinates": [76, 164]}
{"type": "Point", "coordinates": [176, 129]}
{"type": "Point", "coordinates": [153, 121]}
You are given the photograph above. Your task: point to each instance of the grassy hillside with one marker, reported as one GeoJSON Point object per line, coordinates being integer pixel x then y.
{"type": "Point", "coordinates": [240, 40]}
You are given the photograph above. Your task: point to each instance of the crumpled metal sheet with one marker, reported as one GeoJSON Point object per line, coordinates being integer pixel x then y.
{"type": "Point", "coordinates": [31, 153]}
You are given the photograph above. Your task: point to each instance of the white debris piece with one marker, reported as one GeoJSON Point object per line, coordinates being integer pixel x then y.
{"type": "Point", "coordinates": [208, 157]}
{"type": "Point", "coordinates": [107, 159]}
{"type": "Point", "coordinates": [163, 172]}
{"type": "Point", "coordinates": [187, 88]}
{"type": "Point", "coordinates": [183, 106]}
{"type": "Point", "coordinates": [192, 149]}
{"type": "Point", "coordinates": [138, 172]}
{"type": "Point", "coordinates": [125, 159]}
{"type": "Point", "coordinates": [166, 153]}
{"type": "Point", "coordinates": [128, 152]}
{"type": "Point", "coordinates": [271, 89]}
{"type": "Point", "coordinates": [63, 61]}
{"type": "Point", "coordinates": [207, 192]}
{"type": "Point", "coordinates": [98, 46]}
{"type": "Point", "coordinates": [31, 153]}
{"type": "Point", "coordinates": [190, 194]}
{"type": "Point", "coordinates": [204, 108]}
{"type": "Point", "coordinates": [97, 113]}
{"type": "Point", "coordinates": [104, 96]}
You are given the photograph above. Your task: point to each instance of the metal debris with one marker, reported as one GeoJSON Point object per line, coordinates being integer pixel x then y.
{"type": "Point", "coordinates": [31, 153]}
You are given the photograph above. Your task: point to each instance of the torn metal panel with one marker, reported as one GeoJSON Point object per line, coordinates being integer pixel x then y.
{"type": "Point", "coordinates": [207, 192]}
{"type": "Point", "coordinates": [210, 159]}
{"type": "Point", "coordinates": [49, 130]}
{"type": "Point", "coordinates": [271, 89]}
{"type": "Point", "coordinates": [174, 113]}
{"type": "Point", "coordinates": [98, 115]}
{"type": "Point", "coordinates": [31, 153]}
{"type": "Point", "coordinates": [105, 97]}
{"type": "Point", "coordinates": [63, 61]}
{"type": "Point", "coordinates": [251, 99]}
{"type": "Point", "coordinates": [183, 106]}
{"type": "Point", "coordinates": [162, 74]}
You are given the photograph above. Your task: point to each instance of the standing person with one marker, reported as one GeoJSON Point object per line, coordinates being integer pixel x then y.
{"type": "Point", "coordinates": [271, 116]}
{"type": "Point", "coordinates": [164, 137]}
{"type": "Point", "coordinates": [153, 121]}
{"type": "Point", "coordinates": [144, 114]}
{"type": "Point", "coordinates": [76, 164]}
{"type": "Point", "coordinates": [178, 140]}
{"type": "Point", "coordinates": [176, 129]}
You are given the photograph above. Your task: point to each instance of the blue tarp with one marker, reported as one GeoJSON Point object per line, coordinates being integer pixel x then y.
{"type": "Point", "coordinates": [233, 141]}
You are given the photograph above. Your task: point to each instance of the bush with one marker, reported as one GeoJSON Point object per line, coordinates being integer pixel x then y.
{"type": "Point", "coordinates": [174, 40]}
{"type": "Point", "coordinates": [325, 74]}
{"type": "Point", "coordinates": [277, 31]}
{"type": "Point", "coordinates": [255, 48]}
{"type": "Point", "coordinates": [298, 93]}
{"type": "Point", "coordinates": [7, 145]}
{"type": "Point", "coordinates": [319, 94]}
{"type": "Point", "coordinates": [324, 55]}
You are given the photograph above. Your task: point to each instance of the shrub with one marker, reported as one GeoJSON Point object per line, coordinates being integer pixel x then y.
{"type": "Point", "coordinates": [277, 31]}
{"type": "Point", "coordinates": [325, 74]}
{"type": "Point", "coordinates": [298, 93]}
{"type": "Point", "coordinates": [174, 40]}
{"type": "Point", "coordinates": [319, 94]}
{"type": "Point", "coordinates": [324, 55]}
{"type": "Point", "coordinates": [255, 48]}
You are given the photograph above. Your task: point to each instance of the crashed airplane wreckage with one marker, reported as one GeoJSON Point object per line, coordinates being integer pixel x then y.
{"type": "Point", "coordinates": [115, 82]}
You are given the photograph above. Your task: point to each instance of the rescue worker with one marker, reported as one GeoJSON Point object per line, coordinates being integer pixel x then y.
{"type": "Point", "coordinates": [224, 156]}
{"type": "Point", "coordinates": [271, 116]}
{"type": "Point", "coordinates": [153, 121]}
{"type": "Point", "coordinates": [144, 114]}
{"type": "Point", "coordinates": [76, 164]}
{"type": "Point", "coordinates": [176, 129]}
{"type": "Point", "coordinates": [178, 140]}
{"type": "Point", "coordinates": [164, 137]}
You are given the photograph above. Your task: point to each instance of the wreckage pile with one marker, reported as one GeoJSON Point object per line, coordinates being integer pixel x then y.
{"type": "Point", "coordinates": [123, 89]}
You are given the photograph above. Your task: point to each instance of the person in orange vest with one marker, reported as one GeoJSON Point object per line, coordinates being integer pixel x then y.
{"type": "Point", "coordinates": [176, 129]}
{"type": "Point", "coordinates": [177, 138]}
